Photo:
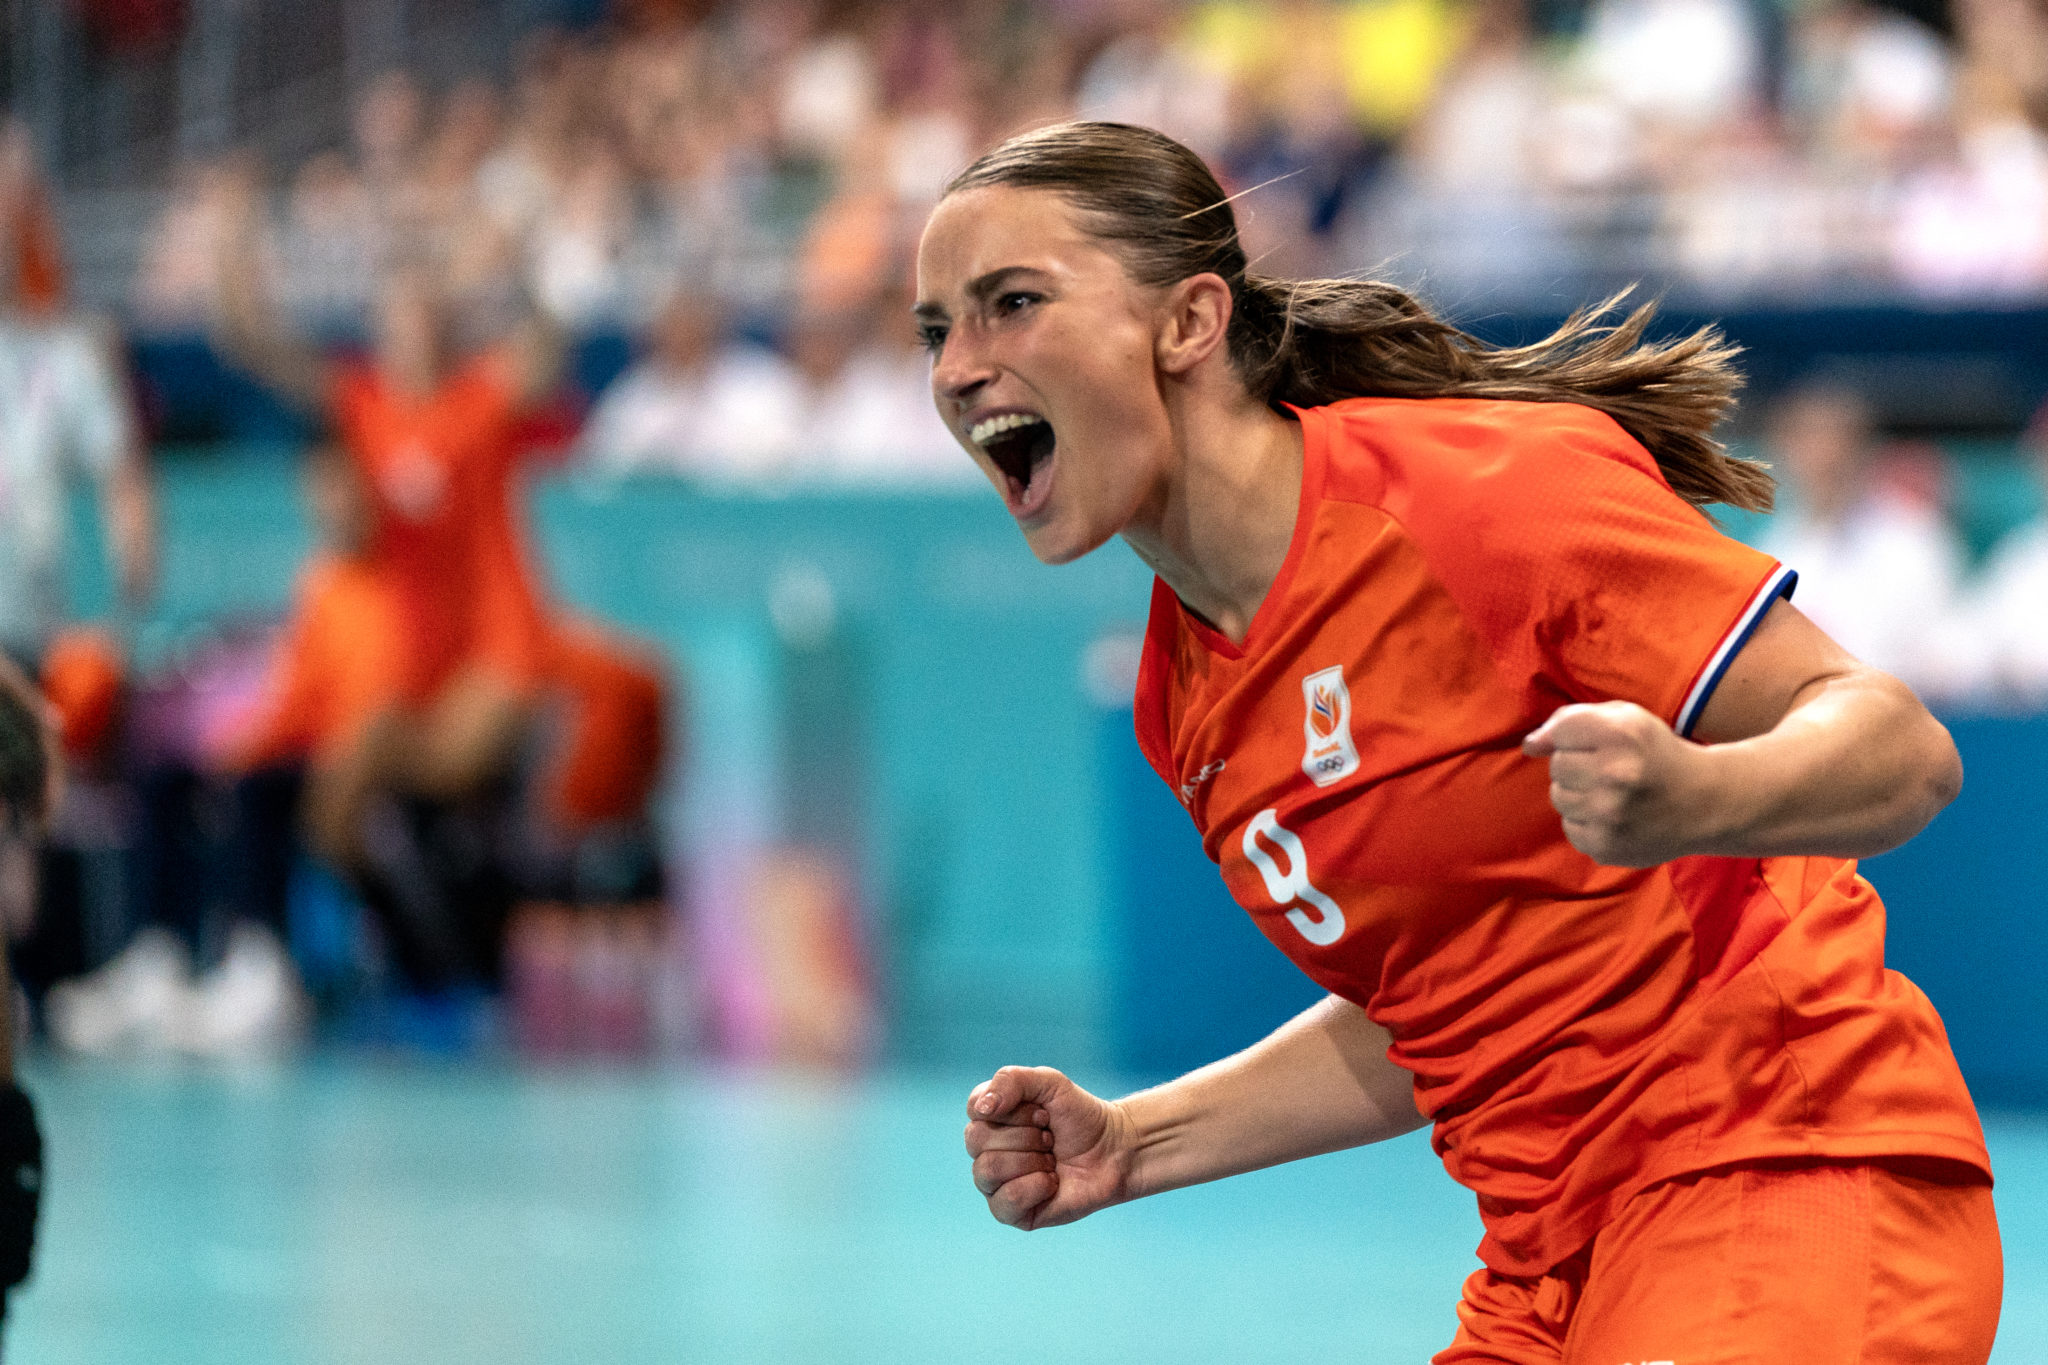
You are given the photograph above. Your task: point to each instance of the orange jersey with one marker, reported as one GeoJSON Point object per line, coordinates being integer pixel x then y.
{"type": "Point", "coordinates": [1459, 569]}
{"type": "Point", "coordinates": [340, 661]}
{"type": "Point", "coordinates": [440, 470]}
{"type": "Point", "coordinates": [513, 632]}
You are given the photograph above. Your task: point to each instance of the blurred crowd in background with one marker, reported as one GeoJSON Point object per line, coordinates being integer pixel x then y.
{"type": "Point", "coordinates": [1866, 524]}
{"type": "Point", "coordinates": [737, 188]}
{"type": "Point", "coordinates": [741, 184]}
{"type": "Point", "coordinates": [783, 154]}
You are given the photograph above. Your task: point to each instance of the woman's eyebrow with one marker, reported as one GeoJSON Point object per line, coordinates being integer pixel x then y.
{"type": "Point", "coordinates": [981, 289]}
{"type": "Point", "coordinates": [985, 287]}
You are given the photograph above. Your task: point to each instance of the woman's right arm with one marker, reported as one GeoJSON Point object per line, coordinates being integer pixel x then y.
{"type": "Point", "coordinates": [250, 328]}
{"type": "Point", "coordinates": [1047, 1152]}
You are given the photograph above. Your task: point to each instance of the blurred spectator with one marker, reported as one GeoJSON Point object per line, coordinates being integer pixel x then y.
{"type": "Point", "coordinates": [831, 93]}
{"type": "Point", "coordinates": [1975, 225]}
{"type": "Point", "coordinates": [174, 285]}
{"type": "Point", "coordinates": [1155, 72]}
{"type": "Point", "coordinates": [1470, 177]}
{"type": "Point", "coordinates": [331, 244]}
{"type": "Point", "coordinates": [575, 252]}
{"type": "Point", "coordinates": [697, 404]}
{"type": "Point", "coordinates": [67, 413]}
{"type": "Point", "coordinates": [851, 402]}
{"type": "Point", "coordinates": [1864, 84]}
{"type": "Point", "coordinates": [2004, 622]}
{"type": "Point", "coordinates": [2004, 47]}
{"type": "Point", "coordinates": [1472, 139]}
{"type": "Point", "coordinates": [1877, 567]}
{"type": "Point", "coordinates": [871, 414]}
{"type": "Point", "coordinates": [30, 249]}
{"type": "Point", "coordinates": [1684, 61]}
{"type": "Point", "coordinates": [859, 234]}
{"type": "Point", "coordinates": [388, 125]}
{"type": "Point", "coordinates": [758, 147]}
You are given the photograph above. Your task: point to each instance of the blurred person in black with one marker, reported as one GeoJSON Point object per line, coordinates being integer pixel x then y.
{"type": "Point", "coordinates": [28, 788]}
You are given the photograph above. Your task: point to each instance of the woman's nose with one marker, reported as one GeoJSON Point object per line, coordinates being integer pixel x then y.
{"type": "Point", "coordinates": [961, 370]}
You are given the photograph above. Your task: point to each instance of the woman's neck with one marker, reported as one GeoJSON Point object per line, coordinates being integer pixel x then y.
{"type": "Point", "coordinates": [1219, 530]}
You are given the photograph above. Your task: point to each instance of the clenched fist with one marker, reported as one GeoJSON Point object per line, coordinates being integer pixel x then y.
{"type": "Point", "coordinates": [1045, 1151]}
{"type": "Point", "coordinates": [1632, 793]}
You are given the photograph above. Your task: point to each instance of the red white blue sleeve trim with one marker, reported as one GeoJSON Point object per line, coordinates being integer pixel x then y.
{"type": "Point", "coordinates": [1779, 584]}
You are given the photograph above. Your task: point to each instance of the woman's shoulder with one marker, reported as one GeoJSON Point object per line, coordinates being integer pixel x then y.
{"type": "Point", "coordinates": [1377, 447]}
{"type": "Point", "coordinates": [1504, 425]}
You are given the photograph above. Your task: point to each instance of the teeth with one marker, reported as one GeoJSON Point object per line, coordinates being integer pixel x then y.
{"type": "Point", "coordinates": [983, 431]}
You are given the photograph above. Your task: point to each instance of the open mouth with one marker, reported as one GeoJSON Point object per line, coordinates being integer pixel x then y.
{"type": "Point", "coordinates": [1021, 445]}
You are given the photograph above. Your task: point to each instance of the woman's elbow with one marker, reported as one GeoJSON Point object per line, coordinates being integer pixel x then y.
{"type": "Point", "coordinates": [1934, 778]}
{"type": "Point", "coordinates": [1942, 777]}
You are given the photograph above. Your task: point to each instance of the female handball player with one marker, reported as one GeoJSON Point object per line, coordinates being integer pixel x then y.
{"type": "Point", "coordinates": [1494, 735]}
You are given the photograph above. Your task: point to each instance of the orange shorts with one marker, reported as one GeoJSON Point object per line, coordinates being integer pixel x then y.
{"type": "Point", "coordinates": [1819, 1263]}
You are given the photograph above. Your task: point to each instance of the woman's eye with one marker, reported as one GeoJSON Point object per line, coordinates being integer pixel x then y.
{"type": "Point", "coordinates": [931, 338]}
{"type": "Point", "coordinates": [1012, 302]}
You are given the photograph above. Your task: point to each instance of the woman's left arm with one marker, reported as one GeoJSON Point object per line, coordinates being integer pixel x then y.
{"type": "Point", "coordinates": [1809, 752]}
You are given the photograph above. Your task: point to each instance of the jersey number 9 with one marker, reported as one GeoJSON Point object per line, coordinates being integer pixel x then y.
{"type": "Point", "coordinates": [1322, 923]}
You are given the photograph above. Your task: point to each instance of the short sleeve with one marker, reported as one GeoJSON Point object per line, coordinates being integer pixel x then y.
{"type": "Point", "coordinates": [1581, 569]}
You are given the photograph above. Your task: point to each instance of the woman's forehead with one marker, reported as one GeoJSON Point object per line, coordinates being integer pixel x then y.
{"type": "Point", "coordinates": [977, 232]}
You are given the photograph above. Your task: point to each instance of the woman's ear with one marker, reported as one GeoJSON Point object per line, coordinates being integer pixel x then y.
{"type": "Point", "coordinates": [1193, 322]}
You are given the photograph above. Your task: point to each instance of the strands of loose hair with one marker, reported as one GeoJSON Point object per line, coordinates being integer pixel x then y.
{"type": "Point", "coordinates": [1310, 342]}
{"type": "Point", "coordinates": [1228, 199]}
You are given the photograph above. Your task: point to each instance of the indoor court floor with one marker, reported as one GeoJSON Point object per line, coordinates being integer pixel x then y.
{"type": "Point", "coordinates": [358, 1211]}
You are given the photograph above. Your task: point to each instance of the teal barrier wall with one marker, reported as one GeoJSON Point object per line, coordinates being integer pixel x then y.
{"type": "Point", "coordinates": [1967, 905]}
{"type": "Point", "coordinates": [979, 794]}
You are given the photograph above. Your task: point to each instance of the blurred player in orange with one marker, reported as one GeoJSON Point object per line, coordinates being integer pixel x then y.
{"type": "Point", "coordinates": [337, 673]}
{"type": "Point", "coordinates": [335, 707]}
{"type": "Point", "coordinates": [1507, 747]}
{"type": "Point", "coordinates": [465, 662]}
{"type": "Point", "coordinates": [435, 439]}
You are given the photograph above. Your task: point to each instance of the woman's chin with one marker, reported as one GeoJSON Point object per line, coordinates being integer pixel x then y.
{"type": "Point", "coordinates": [1057, 539]}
